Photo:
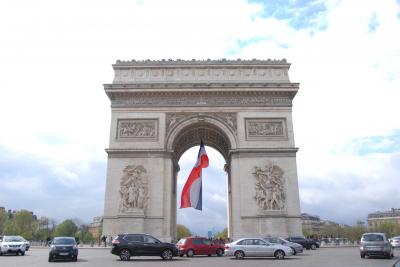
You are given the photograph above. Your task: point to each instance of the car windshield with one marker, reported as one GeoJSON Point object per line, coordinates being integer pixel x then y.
{"type": "Point", "coordinates": [63, 241]}
{"type": "Point", "coordinates": [372, 238]}
{"type": "Point", "coordinates": [21, 239]}
{"type": "Point", "coordinates": [12, 239]}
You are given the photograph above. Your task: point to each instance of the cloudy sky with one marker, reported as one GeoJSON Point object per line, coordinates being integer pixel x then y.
{"type": "Point", "coordinates": [55, 117]}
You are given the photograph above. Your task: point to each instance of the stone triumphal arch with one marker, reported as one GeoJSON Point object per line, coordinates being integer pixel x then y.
{"type": "Point", "coordinates": [242, 108]}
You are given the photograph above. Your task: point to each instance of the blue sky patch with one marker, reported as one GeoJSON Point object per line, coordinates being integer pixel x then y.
{"type": "Point", "coordinates": [301, 14]}
{"type": "Point", "coordinates": [377, 144]}
{"type": "Point", "coordinates": [373, 23]}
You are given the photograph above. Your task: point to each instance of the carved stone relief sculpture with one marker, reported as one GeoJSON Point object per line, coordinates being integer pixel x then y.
{"type": "Point", "coordinates": [133, 189]}
{"type": "Point", "coordinates": [265, 128]}
{"type": "Point", "coordinates": [229, 119]}
{"type": "Point", "coordinates": [137, 129]}
{"type": "Point", "coordinates": [269, 187]}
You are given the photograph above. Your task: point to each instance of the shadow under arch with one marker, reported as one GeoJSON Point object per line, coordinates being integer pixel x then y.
{"type": "Point", "coordinates": [189, 132]}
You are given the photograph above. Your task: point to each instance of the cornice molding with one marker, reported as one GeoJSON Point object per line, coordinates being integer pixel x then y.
{"type": "Point", "coordinates": [178, 62]}
{"type": "Point", "coordinates": [202, 99]}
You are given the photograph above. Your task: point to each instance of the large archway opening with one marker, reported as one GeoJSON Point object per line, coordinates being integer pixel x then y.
{"type": "Point", "coordinates": [186, 139]}
{"type": "Point", "coordinates": [213, 217]}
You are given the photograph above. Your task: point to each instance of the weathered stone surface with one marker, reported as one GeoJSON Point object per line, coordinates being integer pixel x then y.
{"type": "Point", "coordinates": [241, 108]}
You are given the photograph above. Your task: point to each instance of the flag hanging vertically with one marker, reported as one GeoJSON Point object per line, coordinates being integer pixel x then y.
{"type": "Point", "coordinates": [192, 191]}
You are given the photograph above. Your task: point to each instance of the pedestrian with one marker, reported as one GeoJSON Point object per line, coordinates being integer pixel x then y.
{"type": "Point", "coordinates": [103, 239]}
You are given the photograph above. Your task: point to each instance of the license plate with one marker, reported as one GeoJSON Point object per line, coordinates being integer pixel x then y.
{"type": "Point", "coordinates": [64, 254]}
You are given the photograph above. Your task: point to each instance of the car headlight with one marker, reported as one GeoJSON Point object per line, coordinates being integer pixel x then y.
{"type": "Point", "coordinates": [361, 248]}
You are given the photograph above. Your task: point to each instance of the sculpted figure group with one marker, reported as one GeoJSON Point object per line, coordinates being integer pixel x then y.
{"type": "Point", "coordinates": [269, 187]}
{"type": "Point", "coordinates": [133, 188]}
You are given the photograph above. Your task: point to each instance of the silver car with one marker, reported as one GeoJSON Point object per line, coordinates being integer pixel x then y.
{"type": "Point", "coordinates": [12, 244]}
{"type": "Point", "coordinates": [297, 248]}
{"type": "Point", "coordinates": [375, 244]}
{"type": "Point", "coordinates": [256, 247]}
{"type": "Point", "coordinates": [395, 241]}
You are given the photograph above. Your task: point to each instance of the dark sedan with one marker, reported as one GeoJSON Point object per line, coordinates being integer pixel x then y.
{"type": "Point", "coordinates": [127, 245]}
{"type": "Point", "coordinates": [306, 243]}
{"type": "Point", "coordinates": [63, 248]}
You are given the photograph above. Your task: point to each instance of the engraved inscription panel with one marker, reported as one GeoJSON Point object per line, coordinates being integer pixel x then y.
{"type": "Point", "coordinates": [266, 128]}
{"type": "Point", "coordinates": [137, 129]}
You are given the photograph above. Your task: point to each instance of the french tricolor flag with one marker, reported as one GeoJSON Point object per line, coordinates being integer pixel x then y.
{"type": "Point", "coordinates": [192, 192]}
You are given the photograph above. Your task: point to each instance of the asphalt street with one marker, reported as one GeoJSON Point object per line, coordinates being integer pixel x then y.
{"type": "Point", "coordinates": [100, 257]}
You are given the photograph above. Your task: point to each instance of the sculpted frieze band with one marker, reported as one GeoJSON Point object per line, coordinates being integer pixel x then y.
{"type": "Point", "coordinates": [137, 129]}
{"type": "Point", "coordinates": [197, 100]}
{"type": "Point", "coordinates": [161, 74]}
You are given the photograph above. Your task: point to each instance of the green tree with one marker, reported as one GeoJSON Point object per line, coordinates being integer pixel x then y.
{"type": "Point", "coordinates": [66, 228]}
{"type": "Point", "coordinates": [84, 234]}
{"type": "Point", "coordinates": [389, 228]}
{"type": "Point", "coordinates": [45, 228]}
{"type": "Point", "coordinates": [22, 224]}
{"type": "Point", "coordinates": [222, 235]}
{"type": "Point", "coordinates": [182, 231]}
{"type": "Point", "coordinates": [3, 220]}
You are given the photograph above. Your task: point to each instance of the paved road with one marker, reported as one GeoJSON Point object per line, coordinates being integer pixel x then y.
{"type": "Point", "coordinates": [326, 257]}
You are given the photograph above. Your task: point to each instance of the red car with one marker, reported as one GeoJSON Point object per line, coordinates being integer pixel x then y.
{"type": "Point", "coordinates": [196, 245]}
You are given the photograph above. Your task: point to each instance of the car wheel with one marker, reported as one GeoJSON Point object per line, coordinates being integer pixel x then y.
{"type": "Point", "coordinates": [220, 252]}
{"type": "Point", "coordinates": [279, 254]}
{"type": "Point", "coordinates": [313, 246]}
{"type": "Point", "coordinates": [180, 255]}
{"type": "Point", "coordinates": [75, 259]}
{"type": "Point", "coordinates": [166, 254]}
{"type": "Point", "coordinates": [294, 251]}
{"type": "Point", "coordinates": [125, 255]}
{"type": "Point", "coordinates": [22, 253]}
{"type": "Point", "coordinates": [239, 255]}
{"type": "Point", "coordinates": [190, 253]}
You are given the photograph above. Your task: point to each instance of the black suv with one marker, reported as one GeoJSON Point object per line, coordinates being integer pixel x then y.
{"type": "Point", "coordinates": [127, 245]}
{"type": "Point", "coordinates": [306, 243]}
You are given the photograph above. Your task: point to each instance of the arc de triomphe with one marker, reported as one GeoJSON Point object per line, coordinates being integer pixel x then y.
{"type": "Point", "coordinates": [242, 108]}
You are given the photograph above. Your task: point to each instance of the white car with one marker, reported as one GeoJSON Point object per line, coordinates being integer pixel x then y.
{"type": "Point", "coordinates": [27, 244]}
{"type": "Point", "coordinates": [256, 247]}
{"type": "Point", "coordinates": [12, 244]}
{"type": "Point", "coordinates": [395, 241]}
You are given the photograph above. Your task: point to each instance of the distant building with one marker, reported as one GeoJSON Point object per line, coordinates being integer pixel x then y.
{"type": "Point", "coordinates": [313, 223]}
{"type": "Point", "coordinates": [96, 227]}
{"type": "Point", "coordinates": [377, 218]}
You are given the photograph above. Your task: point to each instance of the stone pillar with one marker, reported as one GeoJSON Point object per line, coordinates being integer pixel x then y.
{"type": "Point", "coordinates": [155, 215]}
